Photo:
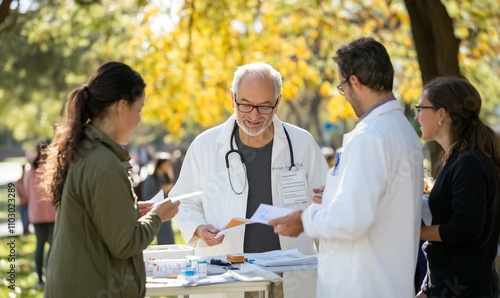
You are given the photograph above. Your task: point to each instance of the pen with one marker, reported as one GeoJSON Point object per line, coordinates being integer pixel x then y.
{"type": "Point", "coordinates": [219, 262]}
{"type": "Point", "coordinates": [231, 268]}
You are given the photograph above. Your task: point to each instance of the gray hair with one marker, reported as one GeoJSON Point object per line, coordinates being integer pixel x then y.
{"type": "Point", "coordinates": [257, 69]}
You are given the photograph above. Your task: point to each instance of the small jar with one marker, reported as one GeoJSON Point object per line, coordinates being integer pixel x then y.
{"type": "Point", "coordinates": [192, 262]}
{"type": "Point", "coordinates": [201, 268]}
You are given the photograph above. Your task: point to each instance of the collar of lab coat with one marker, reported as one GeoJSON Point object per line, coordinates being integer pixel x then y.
{"type": "Point", "coordinates": [224, 137]}
{"type": "Point", "coordinates": [383, 109]}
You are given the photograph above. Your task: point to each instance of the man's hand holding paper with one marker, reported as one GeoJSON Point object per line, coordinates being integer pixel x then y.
{"type": "Point", "coordinates": [208, 234]}
{"type": "Point", "coordinates": [289, 225]}
{"type": "Point", "coordinates": [264, 214]}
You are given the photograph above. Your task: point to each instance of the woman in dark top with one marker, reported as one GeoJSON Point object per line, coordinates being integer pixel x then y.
{"type": "Point", "coordinates": [462, 240]}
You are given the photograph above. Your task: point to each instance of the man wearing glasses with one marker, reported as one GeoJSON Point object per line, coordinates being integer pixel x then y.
{"type": "Point", "coordinates": [368, 222]}
{"type": "Point", "coordinates": [251, 159]}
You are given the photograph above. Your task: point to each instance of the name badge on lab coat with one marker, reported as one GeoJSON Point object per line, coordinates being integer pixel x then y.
{"type": "Point", "coordinates": [293, 186]}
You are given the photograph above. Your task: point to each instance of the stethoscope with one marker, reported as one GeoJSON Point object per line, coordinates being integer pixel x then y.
{"type": "Point", "coordinates": [235, 150]}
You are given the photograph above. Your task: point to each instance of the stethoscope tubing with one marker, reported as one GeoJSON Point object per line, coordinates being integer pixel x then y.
{"type": "Point", "coordinates": [235, 150]}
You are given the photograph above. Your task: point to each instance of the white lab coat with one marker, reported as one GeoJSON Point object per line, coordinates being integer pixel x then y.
{"type": "Point", "coordinates": [204, 169]}
{"type": "Point", "coordinates": [369, 223]}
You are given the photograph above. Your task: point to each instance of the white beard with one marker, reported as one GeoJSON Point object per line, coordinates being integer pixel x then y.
{"type": "Point", "coordinates": [255, 132]}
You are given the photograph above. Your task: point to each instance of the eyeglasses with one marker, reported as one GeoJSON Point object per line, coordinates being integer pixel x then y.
{"type": "Point", "coordinates": [340, 88]}
{"type": "Point", "coordinates": [417, 109]}
{"type": "Point", "coordinates": [264, 110]}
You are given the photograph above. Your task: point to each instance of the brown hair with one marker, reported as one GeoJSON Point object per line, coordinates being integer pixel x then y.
{"type": "Point", "coordinates": [110, 83]}
{"type": "Point", "coordinates": [367, 59]}
{"type": "Point", "coordinates": [462, 102]}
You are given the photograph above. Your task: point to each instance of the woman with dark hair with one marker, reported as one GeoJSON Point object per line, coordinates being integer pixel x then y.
{"type": "Point", "coordinates": [462, 241]}
{"type": "Point", "coordinates": [100, 228]}
{"type": "Point", "coordinates": [40, 211]}
{"type": "Point", "coordinates": [162, 178]}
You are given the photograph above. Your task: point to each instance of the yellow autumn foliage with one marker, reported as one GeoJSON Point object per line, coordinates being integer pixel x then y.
{"type": "Point", "coordinates": [190, 68]}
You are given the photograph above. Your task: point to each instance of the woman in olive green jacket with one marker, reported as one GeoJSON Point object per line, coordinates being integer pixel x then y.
{"type": "Point", "coordinates": [100, 229]}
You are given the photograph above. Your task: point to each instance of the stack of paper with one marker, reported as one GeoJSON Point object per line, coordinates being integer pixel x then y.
{"type": "Point", "coordinates": [291, 257]}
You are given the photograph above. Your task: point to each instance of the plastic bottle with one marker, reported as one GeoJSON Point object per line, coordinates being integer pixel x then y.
{"type": "Point", "coordinates": [201, 268]}
{"type": "Point", "coordinates": [193, 262]}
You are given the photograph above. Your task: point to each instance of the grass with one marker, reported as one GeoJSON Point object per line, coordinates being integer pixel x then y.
{"type": "Point", "coordinates": [24, 263]}
{"type": "Point", "coordinates": [26, 277]}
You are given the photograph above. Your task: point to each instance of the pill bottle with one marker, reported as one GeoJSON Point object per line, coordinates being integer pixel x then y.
{"type": "Point", "coordinates": [201, 268]}
{"type": "Point", "coordinates": [193, 262]}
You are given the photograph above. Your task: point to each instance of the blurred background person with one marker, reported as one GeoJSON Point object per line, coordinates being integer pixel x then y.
{"type": "Point", "coordinates": [161, 178]}
{"type": "Point", "coordinates": [144, 156]}
{"type": "Point", "coordinates": [40, 211]}
{"type": "Point", "coordinates": [22, 194]}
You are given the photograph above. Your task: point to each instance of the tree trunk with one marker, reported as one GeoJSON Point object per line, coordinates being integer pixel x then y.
{"type": "Point", "coordinates": [4, 10]}
{"type": "Point", "coordinates": [437, 50]}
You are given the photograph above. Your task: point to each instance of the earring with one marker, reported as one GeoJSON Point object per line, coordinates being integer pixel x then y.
{"type": "Point", "coordinates": [440, 122]}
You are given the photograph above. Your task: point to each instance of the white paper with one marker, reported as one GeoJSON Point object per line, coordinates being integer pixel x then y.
{"type": "Point", "coordinates": [185, 196]}
{"type": "Point", "coordinates": [254, 273]}
{"type": "Point", "coordinates": [291, 257]}
{"type": "Point", "coordinates": [263, 215]}
{"type": "Point", "coordinates": [160, 196]}
{"type": "Point", "coordinates": [266, 213]}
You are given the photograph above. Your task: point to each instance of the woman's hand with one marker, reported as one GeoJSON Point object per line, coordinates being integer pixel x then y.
{"type": "Point", "coordinates": [166, 209]}
{"type": "Point", "coordinates": [421, 295]}
{"type": "Point", "coordinates": [144, 207]}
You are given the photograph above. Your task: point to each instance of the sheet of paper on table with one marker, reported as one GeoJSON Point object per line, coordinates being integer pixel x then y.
{"type": "Point", "coordinates": [254, 273]}
{"type": "Point", "coordinates": [263, 215]}
{"type": "Point", "coordinates": [214, 279]}
{"type": "Point", "coordinates": [291, 257]}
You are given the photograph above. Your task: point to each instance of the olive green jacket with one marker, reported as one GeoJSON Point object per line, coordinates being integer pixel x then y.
{"type": "Point", "coordinates": [98, 238]}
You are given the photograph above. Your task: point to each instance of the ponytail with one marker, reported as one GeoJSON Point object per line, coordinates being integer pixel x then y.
{"type": "Point", "coordinates": [110, 83]}
{"type": "Point", "coordinates": [64, 148]}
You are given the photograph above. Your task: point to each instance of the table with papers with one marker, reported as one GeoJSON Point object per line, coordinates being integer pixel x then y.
{"type": "Point", "coordinates": [224, 283]}
{"type": "Point", "coordinates": [256, 277]}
